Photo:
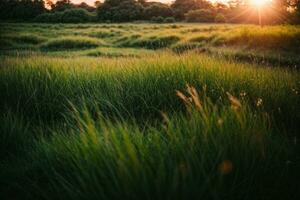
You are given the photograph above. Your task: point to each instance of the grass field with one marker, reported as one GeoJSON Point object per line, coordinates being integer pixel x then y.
{"type": "Point", "coordinates": [149, 111]}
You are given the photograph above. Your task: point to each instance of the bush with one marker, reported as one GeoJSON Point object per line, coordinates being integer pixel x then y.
{"type": "Point", "coordinates": [202, 15]}
{"type": "Point", "coordinates": [76, 15]}
{"type": "Point", "coordinates": [55, 17]}
{"type": "Point", "coordinates": [220, 18]}
{"type": "Point", "coordinates": [158, 19]}
{"type": "Point", "coordinates": [42, 17]}
{"type": "Point", "coordinates": [169, 20]}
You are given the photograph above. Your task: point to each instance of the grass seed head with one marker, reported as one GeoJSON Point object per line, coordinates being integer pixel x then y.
{"type": "Point", "coordinates": [235, 103]}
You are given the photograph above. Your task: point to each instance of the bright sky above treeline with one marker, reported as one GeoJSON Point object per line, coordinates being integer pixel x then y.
{"type": "Point", "coordinates": [91, 2]}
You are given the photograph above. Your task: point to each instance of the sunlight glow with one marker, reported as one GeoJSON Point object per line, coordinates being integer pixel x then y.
{"type": "Point", "coordinates": [92, 2]}
{"type": "Point", "coordinates": [260, 3]}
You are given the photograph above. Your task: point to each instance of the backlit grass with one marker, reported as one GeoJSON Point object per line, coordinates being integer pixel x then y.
{"type": "Point", "coordinates": [277, 41]}
{"type": "Point", "coordinates": [186, 120]}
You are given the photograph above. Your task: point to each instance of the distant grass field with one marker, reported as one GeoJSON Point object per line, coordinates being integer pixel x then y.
{"type": "Point", "coordinates": [149, 111]}
{"type": "Point", "coordinates": [271, 45]}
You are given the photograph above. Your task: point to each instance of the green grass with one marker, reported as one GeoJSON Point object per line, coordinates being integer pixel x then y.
{"type": "Point", "coordinates": [277, 41]}
{"type": "Point", "coordinates": [25, 38]}
{"type": "Point", "coordinates": [69, 43]}
{"type": "Point", "coordinates": [179, 122]}
{"type": "Point", "coordinates": [284, 38]}
{"type": "Point", "coordinates": [152, 42]}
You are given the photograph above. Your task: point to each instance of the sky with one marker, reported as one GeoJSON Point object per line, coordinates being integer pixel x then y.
{"type": "Point", "coordinates": [91, 2]}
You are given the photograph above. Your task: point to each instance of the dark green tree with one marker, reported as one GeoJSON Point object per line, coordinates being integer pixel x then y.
{"type": "Point", "coordinates": [158, 9]}
{"type": "Point", "coordinates": [120, 10]}
{"type": "Point", "coordinates": [181, 7]}
{"type": "Point", "coordinates": [85, 6]}
{"type": "Point", "coordinates": [62, 5]}
{"type": "Point", "coordinates": [21, 9]}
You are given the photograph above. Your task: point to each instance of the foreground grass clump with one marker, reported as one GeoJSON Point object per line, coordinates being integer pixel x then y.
{"type": "Point", "coordinates": [212, 152]}
{"type": "Point", "coordinates": [71, 43]}
{"type": "Point", "coordinates": [227, 148]}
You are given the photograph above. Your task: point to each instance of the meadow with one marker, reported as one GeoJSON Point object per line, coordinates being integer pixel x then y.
{"type": "Point", "coordinates": [149, 111]}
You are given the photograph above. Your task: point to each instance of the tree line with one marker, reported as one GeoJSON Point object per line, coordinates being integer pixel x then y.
{"type": "Point", "coordinates": [64, 11]}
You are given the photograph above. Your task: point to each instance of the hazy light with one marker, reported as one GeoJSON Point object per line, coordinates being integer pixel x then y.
{"type": "Point", "coordinates": [92, 2]}
{"type": "Point", "coordinates": [260, 3]}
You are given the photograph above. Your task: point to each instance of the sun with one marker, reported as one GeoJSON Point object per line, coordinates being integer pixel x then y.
{"type": "Point", "coordinates": [260, 3]}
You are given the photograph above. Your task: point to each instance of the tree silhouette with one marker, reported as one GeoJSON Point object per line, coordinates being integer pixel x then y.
{"type": "Point", "coordinates": [183, 6]}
